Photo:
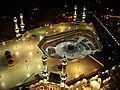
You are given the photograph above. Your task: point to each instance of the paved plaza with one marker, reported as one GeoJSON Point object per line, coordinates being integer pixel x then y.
{"type": "Point", "coordinates": [28, 62]}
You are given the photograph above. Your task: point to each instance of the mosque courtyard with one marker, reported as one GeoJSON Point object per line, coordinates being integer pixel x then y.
{"type": "Point", "coordinates": [27, 56]}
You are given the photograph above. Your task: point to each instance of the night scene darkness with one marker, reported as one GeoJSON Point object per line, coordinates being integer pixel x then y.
{"type": "Point", "coordinates": [59, 45]}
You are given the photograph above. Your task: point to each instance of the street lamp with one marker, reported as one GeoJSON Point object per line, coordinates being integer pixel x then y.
{"type": "Point", "coordinates": [26, 64]}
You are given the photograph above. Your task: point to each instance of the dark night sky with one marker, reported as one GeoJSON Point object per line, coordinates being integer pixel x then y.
{"type": "Point", "coordinates": [8, 6]}
{"type": "Point", "coordinates": [16, 5]}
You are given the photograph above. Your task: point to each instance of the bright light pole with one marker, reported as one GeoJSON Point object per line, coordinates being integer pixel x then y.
{"type": "Point", "coordinates": [84, 14]}
{"type": "Point", "coordinates": [75, 13]}
{"type": "Point", "coordinates": [16, 27]}
{"type": "Point", "coordinates": [45, 70]}
{"type": "Point", "coordinates": [22, 25]}
{"type": "Point", "coordinates": [26, 64]}
{"type": "Point", "coordinates": [63, 75]}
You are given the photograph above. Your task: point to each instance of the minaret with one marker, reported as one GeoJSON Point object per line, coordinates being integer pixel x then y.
{"type": "Point", "coordinates": [75, 12]}
{"type": "Point", "coordinates": [22, 25]}
{"type": "Point", "coordinates": [84, 15]}
{"type": "Point", "coordinates": [16, 27]}
{"type": "Point", "coordinates": [63, 75]}
{"type": "Point", "coordinates": [45, 70]}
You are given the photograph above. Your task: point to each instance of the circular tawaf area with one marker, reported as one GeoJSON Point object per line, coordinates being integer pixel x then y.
{"type": "Point", "coordinates": [68, 49]}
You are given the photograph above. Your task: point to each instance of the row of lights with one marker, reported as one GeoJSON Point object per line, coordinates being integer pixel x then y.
{"type": "Point", "coordinates": [40, 82]}
{"type": "Point", "coordinates": [96, 77]}
{"type": "Point", "coordinates": [60, 27]}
